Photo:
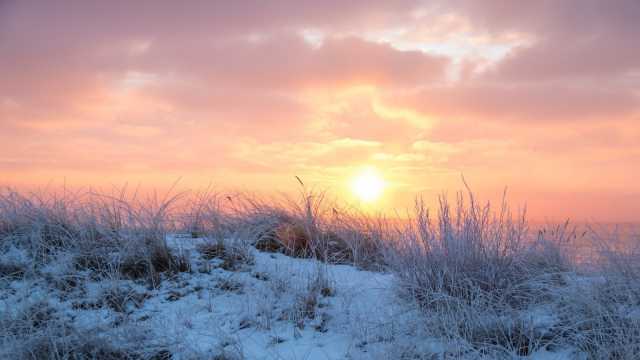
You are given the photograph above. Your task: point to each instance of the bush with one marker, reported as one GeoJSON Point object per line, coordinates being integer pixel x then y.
{"type": "Point", "coordinates": [202, 216]}
{"type": "Point", "coordinates": [601, 319]}
{"type": "Point", "coordinates": [286, 237]}
{"type": "Point", "coordinates": [310, 226]}
{"type": "Point", "coordinates": [59, 341]}
{"type": "Point", "coordinates": [471, 254]}
{"type": "Point", "coordinates": [11, 271]}
{"type": "Point", "coordinates": [477, 274]}
{"type": "Point", "coordinates": [233, 256]}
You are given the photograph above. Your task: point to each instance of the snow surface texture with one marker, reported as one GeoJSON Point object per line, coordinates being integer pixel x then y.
{"type": "Point", "coordinates": [269, 306]}
{"type": "Point", "coordinates": [273, 307]}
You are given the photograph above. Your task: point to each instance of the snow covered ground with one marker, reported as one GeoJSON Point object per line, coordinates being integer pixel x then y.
{"type": "Point", "coordinates": [270, 307]}
{"type": "Point", "coordinates": [264, 306]}
{"type": "Point", "coordinates": [276, 308]}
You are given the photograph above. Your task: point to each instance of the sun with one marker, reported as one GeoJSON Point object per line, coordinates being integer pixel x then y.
{"type": "Point", "coordinates": [368, 185]}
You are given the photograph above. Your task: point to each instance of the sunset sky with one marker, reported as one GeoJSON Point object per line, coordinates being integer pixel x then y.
{"type": "Point", "coordinates": [539, 96]}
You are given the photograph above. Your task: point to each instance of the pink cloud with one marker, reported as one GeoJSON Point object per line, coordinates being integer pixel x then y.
{"type": "Point", "coordinates": [123, 89]}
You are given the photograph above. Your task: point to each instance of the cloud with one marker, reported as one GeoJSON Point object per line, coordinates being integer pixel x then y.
{"type": "Point", "coordinates": [538, 95]}
{"type": "Point", "coordinates": [534, 103]}
{"type": "Point", "coordinates": [574, 38]}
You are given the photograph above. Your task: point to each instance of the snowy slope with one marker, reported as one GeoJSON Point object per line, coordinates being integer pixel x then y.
{"type": "Point", "coordinates": [272, 307]}
{"type": "Point", "coordinates": [269, 306]}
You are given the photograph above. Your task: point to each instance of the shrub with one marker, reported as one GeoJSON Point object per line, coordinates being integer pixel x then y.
{"type": "Point", "coordinates": [601, 318]}
{"type": "Point", "coordinates": [233, 255]}
{"type": "Point", "coordinates": [310, 227]}
{"type": "Point", "coordinates": [293, 238]}
{"type": "Point", "coordinates": [120, 298]}
{"type": "Point", "coordinates": [332, 248]}
{"type": "Point", "coordinates": [11, 270]}
{"type": "Point", "coordinates": [476, 273]}
{"type": "Point", "coordinates": [60, 341]}
{"type": "Point", "coordinates": [228, 284]}
{"type": "Point", "coordinates": [471, 254]}
{"type": "Point", "coordinates": [202, 216]}
{"type": "Point", "coordinates": [99, 263]}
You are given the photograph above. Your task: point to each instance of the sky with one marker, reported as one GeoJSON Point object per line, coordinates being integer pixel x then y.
{"type": "Point", "coordinates": [541, 97]}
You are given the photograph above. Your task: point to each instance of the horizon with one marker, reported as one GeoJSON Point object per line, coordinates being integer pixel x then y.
{"type": "Point", "coordinates": [375, 102]}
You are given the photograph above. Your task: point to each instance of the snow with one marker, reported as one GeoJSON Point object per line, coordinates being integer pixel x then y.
{"type": "Point", "coordinates": [246, 320]}
{"type": "Point", "coordinates": [258, 311]}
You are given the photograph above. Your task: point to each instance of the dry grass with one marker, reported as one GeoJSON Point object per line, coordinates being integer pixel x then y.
{"type": "Point", "coordinates": [11, 271]}
{"type": "Point", "coordinates": [234, 255]}
{"type": "Point", "coordinates": [310, 226]}
{"type": "Point", "coordinates": [476, 272]}
{"type": "Point", "coordinates": [486, 283]}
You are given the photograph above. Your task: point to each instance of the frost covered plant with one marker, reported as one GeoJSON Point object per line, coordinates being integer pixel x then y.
{"type": "Point", "coordinates": [93, 226]}
{"type": "Point", "coordinates": [470, 253]}
{"type": "Point", "coordinates": [202, 215]}
{"type": "Point", "coordinates": [307, 226]}
{"type": "Point", "coordinates": [473, 278]}
{"type": "Point", "coordinates": [232, 253]}
{"type": "Point", "coordinates": [476, 272]}
{"type": "Point", "coordinates": [601, 317]}
{"type": "Point", "coordinates": [58, 340]}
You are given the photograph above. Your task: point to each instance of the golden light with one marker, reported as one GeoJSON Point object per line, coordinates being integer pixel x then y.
{"type": "Point", "coordinates": [368, 185]}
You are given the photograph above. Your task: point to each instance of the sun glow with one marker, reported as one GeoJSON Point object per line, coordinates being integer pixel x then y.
{"type": "Point", "coordinates": [368, 185]}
